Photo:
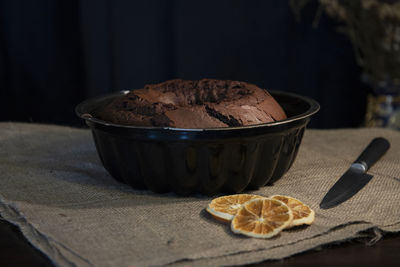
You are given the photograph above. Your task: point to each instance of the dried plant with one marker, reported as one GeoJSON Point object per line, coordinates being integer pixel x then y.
{"type": "Point", "coordinates": [373, 27]}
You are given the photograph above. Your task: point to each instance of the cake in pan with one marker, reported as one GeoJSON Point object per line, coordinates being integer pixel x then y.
{"type": "Point", "coordinates": [207, 103]}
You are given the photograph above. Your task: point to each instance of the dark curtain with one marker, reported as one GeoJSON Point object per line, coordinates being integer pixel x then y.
{"type": "Point", "coordinates": [54, 54]}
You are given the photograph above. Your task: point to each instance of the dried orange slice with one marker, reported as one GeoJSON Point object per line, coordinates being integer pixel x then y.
{"type": "Point", "coordinates": [302, 214]}
{"type": "Point", "coordinates": [262, 218]}
{"type": "Point", "coordinates": [224, 208]}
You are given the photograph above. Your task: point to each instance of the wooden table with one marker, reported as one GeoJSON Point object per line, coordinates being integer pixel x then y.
{"type": "Point", "coordinates": [16, 251]}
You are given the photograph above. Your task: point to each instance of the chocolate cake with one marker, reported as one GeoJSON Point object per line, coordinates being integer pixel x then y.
{"type": "Point", "coordinates": [205, 103]}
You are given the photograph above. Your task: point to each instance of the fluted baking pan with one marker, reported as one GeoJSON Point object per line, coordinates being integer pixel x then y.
{"type": "Point", "coordinates": [208, 161]}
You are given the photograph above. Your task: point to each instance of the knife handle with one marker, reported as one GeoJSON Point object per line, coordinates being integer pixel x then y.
{"type": "Point", "coordinates": [373, 152]}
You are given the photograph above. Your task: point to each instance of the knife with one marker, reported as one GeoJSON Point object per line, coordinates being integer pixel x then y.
{"type": "Point", "coordinates": [355, 178]}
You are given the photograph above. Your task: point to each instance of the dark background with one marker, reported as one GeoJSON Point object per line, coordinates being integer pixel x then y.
{"type": "Point", "coordinates": [54, 54]}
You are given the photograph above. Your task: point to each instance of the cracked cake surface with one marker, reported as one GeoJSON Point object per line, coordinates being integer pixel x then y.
{"type": "Point", "coordinates": [205, 103]}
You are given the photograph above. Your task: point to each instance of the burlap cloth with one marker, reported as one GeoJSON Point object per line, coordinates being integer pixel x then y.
{"type": "Point", "coordinates": [54, 188]}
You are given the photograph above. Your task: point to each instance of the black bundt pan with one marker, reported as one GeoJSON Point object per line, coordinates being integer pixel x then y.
{"type": "Point", "coordinates": [207, 161]}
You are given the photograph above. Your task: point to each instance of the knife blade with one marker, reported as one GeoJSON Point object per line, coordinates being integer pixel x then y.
{"type": "Point", "coordinates": [355, 178]}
